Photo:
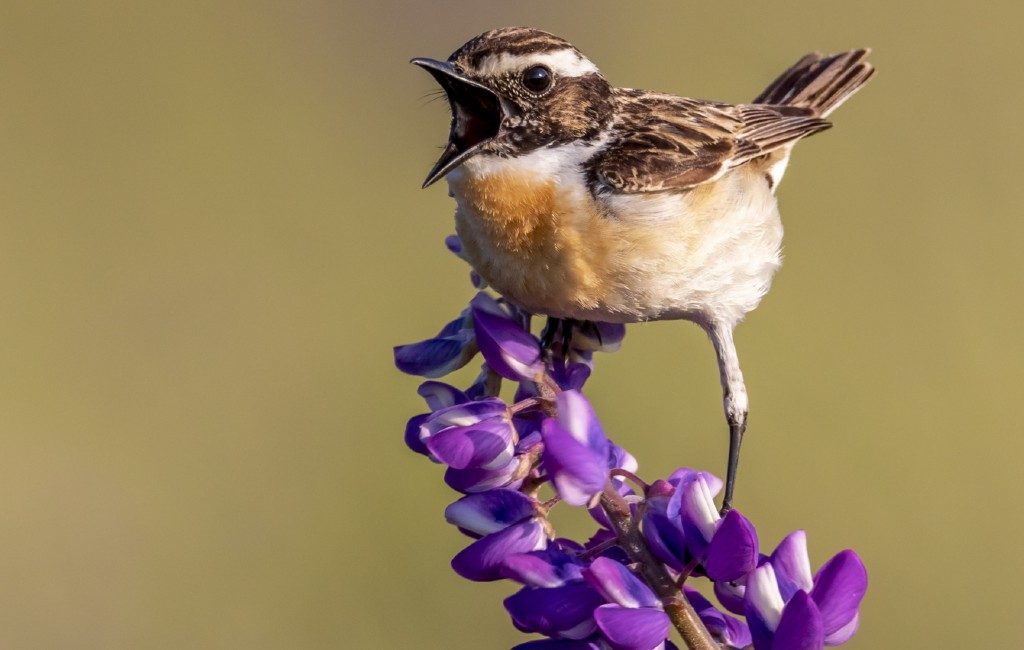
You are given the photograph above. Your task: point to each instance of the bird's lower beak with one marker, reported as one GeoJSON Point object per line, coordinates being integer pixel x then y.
{"type": "Point", "coordinates": [477, 113]}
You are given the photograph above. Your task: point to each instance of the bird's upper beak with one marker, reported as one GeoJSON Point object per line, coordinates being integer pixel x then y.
{"type": "Point", "coordinates": [477, 113]}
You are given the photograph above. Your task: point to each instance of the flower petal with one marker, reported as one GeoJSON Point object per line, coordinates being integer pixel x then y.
{"type": "Point", "coordinates": [845, 633]}
{"type": "Point", "coordinates": [509, 350]}
{"type": "Point", "coordinates": [465, 414]}
{"type": "Point", "coordinates": [439, 395]}
{"type": "Point", "coordinates": [481, 561]}
{"type": "Point", "coordinates": [454, 244]}
{"type": "Point", "coordinates": [792, 565]}
{"type": "Point", "coordinates": [479, 479]}
{"type": "Point", "coordinates": [551, 567]}
{"type": "Point", "coordinates": [632, 629]}
{"type": "Point", "coordinates": [555, 610]}
{"type": "Point", "coordinates": [697, 510]}
{"type": "Point", "coordinates": [578, 418]}
{"type": "Point", "coordinates": [618, 584]}
{"type": "Point", "coordinates": [620, 458]}
{"type": "Point", "coordinates": [488, 444]}
{"type": "Point", "coordinates": [488, 512]}
{"type": "Point", "coordinates": [683, 473]}
{"type": "Point", "coordinates": [577, 471]}
{"type": "Point", "coordinates": [800, 625]}
{"type": "Point", "coordinates": [665, 535]}
{"type": "Point", "coordinates": [839, 586]}
{"type": "Point", "coordinates": [733, 550]}
{"type": "Point", "coordinates": [727, 629]}
{"type": "Point", "coordinates": [438, 356]}
{"type": "Point", "coordinates": [763, 602]}
{"type": "Point", "coordinates": [412, 434]}
{"type": "Point", "coordinates": [731, 594]}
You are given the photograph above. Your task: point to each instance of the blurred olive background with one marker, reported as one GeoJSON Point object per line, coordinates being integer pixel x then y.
{"type": "Point", "coordinates": [212, 233]}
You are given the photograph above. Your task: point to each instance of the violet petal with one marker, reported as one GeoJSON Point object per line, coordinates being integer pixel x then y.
{"type": "Point", "coordinates": [697, 511]}
{"type": "Point", "coordinates": [800, 625]}
{"type": "Point", "coordinates": [845, 633]}
{"type": "Point", "coordinates": [578, 418]}
{"type": "Point", "coordinates": [439, 395]}
{"type": "Point", "coordinates": [577, 471]}
{"type": "Point", "coordinates": [412, 434]}
{"type": "Point", "coordinates": [551, 567]}
{"type": "Point", "coordinates": [464, 414]}
{"type": "Point", "coordinates": [618, 584]}
{"type": "Point", "coordinates": [553, 611]}
{"type": "Point", "coordinates": [632, 629]}
{"type": "Point", "coordinates": [763, 603]}
{"type": "Point", "coordinates": [479, 479]}
{"type": "Point", "coordinates": [731, 594]}
{"type": "Point", "coordinates": [733, 550]}
{"type": "Point", "coordinates": [481, 561]}
{"type": "Point", "coordinates": [508, 349]}
{"type": "Point", "coordinates": [665, 535]}
{"type": "Point", "coordinates": [725, 628]}
{"type": "Point", "coordinates": [488, 444]}
{"type": "Point", "coordinates": [839, 586]}
{"type": "Point", "coordinates": [792, 565]}
{"type": "Point", "coordinates": [436, 357]}
{"type": "Point", "coordinates": [488, 512]}
{"type": "Point", "coordinates": [683, 473]}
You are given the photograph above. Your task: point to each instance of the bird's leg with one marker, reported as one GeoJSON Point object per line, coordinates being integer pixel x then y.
{"type": "Point", "coordinates": [547, 337]}
{"type": "Point", "coordinates": [567, 331]}
{"type": "Point", "coordinates": [735, 400]}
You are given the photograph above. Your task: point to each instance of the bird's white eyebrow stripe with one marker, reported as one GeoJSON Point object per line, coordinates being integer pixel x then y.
{"type": "Point", "coordinates": [566, 62]}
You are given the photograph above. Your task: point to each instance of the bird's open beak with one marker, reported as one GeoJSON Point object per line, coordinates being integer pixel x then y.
{"type": "Point", "coordinates": [477, 113]}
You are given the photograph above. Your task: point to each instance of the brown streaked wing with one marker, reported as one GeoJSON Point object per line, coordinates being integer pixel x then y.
{"type": "Point", "coordinates": [661, 142]}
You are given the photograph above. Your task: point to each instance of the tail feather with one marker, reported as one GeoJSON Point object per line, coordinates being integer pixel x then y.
{"type": "Point", "coordinates": [820, 83]}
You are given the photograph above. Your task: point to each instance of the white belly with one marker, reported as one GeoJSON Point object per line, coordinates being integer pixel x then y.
{"type": "Point", "coordinates": [708, 254]}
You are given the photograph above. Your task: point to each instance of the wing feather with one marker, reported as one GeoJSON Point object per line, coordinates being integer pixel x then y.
{"type": "Point", "coordinates": [664, 143]}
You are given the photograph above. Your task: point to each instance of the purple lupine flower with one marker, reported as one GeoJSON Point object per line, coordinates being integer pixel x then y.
{"type": "Point", "coordinates": [452, 348]}
{"type": "Point", "coordinates": [551, 567]}
{"type": "Point", "coordinates": [664, 536]}
{"type": "Point", "coordinates": [634, 617]}
{"type": "Point", "coordinates": [482, 560]}
{"type": "Point", "coordinates": [687, 527]}
{"type": "Point", "coordinates": [788, 608]}
{"type": "Point", "coordinates": [471, 434]}
{"type": "Point", "coordinates": [733, 632]}
{"type": "Point", "coordinates": [565, 611]}
{"type": "Point", "coordinates": [478, 479]}
{"type": "Point", "coordinates": [555, 600]}
{"type": "Point", "coordinates": [488, 512]}
{"type": "Point", "coordinates": [575, 449]}
{"type": "Point", "coordinates": [509, 349]}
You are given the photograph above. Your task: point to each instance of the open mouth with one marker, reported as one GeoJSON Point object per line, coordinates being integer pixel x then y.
{"type": "Point", "coordinates": [476, 116]}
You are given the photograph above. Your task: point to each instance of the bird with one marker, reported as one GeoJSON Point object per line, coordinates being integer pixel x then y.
{"type": "Point", "coordinates": [583, 201]}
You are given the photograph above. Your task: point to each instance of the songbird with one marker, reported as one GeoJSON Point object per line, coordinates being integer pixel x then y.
{"type": "Point", "coordinates": [583, 201]}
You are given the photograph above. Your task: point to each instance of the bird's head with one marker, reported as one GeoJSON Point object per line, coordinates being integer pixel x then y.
{"type": "Point", "coordinates": [516, 89]}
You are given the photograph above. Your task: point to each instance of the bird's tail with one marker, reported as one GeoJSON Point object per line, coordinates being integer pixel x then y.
{"type": "Point", "coordinates": [820, 83]}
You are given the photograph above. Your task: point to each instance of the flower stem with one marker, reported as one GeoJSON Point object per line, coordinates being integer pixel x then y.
{"type": "Point", "coordinates": [679, 610]}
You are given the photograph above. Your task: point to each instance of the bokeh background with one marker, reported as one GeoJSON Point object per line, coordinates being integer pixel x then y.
{"type": "Point", "coordinates": [212, 233]}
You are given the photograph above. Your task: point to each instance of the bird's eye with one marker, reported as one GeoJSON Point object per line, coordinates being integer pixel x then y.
{"type": "Point", "coordinates": [537, 79]}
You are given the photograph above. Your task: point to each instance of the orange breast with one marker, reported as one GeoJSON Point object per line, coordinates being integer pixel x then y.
{"type": "Point", "coordinates": [536, 242]}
